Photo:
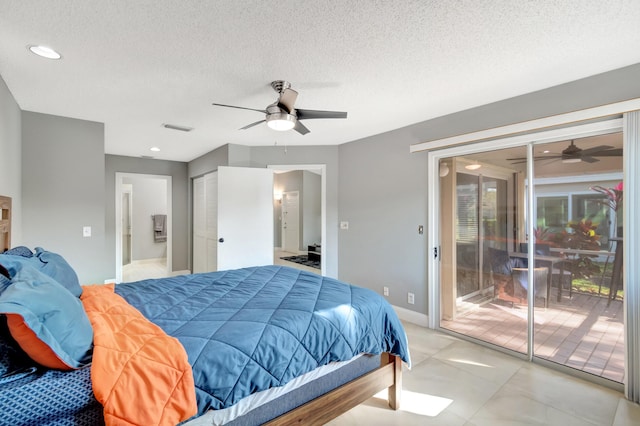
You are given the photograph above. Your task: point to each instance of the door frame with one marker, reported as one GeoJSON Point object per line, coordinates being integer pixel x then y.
{"type": "Point", "coordinates": [129, 213]}
{"type": "Point", "coordinates": [120, 176]}
{"type": "Point", "coordinates": [323, 201]}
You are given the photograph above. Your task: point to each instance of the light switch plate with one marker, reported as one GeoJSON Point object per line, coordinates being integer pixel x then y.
{"type": "Point", "coordinates": [344, 225]}
{"type": "Point", "coordinates": [86, 231]}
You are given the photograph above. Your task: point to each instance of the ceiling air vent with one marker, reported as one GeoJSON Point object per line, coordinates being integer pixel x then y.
{"type": "Point", "coordinates": [176, 127]}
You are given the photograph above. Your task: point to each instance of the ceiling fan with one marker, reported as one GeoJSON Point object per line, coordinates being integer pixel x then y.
{"type": "Point", "coordinates": [281, 115]}
{"type": "Point", "coordinates": [574, 154]}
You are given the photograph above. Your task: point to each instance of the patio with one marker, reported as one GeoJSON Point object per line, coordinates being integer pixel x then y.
{"type": "Point", "coordinates": [581, 332]}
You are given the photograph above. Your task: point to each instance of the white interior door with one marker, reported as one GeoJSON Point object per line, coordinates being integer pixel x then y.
{"type": "Point", "coordinates": [199, 228]}
{"type": "Point", "coordinates": [291, 221]}
{"type": "Point", "coordinates": [211, 221]}
{"type": "Point", "coordinates": [245, 217]}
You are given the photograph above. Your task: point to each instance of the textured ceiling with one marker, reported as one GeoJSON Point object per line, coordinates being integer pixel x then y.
{"type": "Point", "coordinates": [135, 65]}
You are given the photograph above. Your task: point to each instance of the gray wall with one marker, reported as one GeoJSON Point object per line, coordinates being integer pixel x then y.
{"type": "Point", "coordinates": [382, 190]}
{"type": "Point", "coordinates": [179, 199]}
{"type": "Point", "coordinates": [63, 190]}
{"type": "Point", "coordinates": [383, 198]}
{"type": "Point", "coordinates": [11, 158]}
{"type": "Point", "coordinates": [149, 197]}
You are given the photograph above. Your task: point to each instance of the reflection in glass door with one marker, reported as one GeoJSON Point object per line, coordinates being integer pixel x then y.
{"type": "Point", "coordinates": [548, 285]}
{"type": "Point", "coordinates": [480, 223]}
{"type": "Point", "coordinates": [477, 287]}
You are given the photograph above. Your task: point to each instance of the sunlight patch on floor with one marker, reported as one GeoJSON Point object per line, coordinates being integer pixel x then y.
{"type": "Point", "coordinates": [421, 404]}
{"type": "Point", "coordinates": [469, 362]}
{"type": "Point", "coordinates": [521, 313]}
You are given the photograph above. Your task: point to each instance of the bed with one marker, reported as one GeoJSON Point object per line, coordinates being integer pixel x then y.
{"type": "Point", "coordinates": [320, 346]}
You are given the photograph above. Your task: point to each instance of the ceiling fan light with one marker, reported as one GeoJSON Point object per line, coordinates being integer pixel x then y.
{"type": "Point", "coordinates": [571, 160]}
{"type": "Point", "coordinates": [44, 51]}
{"type": "Point", "coordinates": [281, 121]}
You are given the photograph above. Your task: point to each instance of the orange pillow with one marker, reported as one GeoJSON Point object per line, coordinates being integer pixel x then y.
{"type": "Point", "coordinates": [47, 321]}
{"type": "Point", "coordinates": [37, 350]}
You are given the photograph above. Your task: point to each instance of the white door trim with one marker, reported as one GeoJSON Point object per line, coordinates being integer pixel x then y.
{"type": "Point", "coordinates": [599, 112]}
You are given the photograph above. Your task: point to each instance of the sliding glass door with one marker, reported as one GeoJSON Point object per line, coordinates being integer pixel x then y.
{"type": "Point", "coordinates": [531, 250]}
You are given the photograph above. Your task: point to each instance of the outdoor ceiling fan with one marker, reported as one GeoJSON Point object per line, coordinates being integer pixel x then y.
{"type": "Point", "coordinates": [281, 115]}
{"type": "Point", "coordinates": [574, 154]}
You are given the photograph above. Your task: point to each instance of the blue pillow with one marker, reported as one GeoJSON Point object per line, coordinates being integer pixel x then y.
{"type": "Point", "coordinates": [42, 315]}
{"type": "Point", "coordinates": [49, 263]}
{"type": "Point", "coordinates": [57, 268]}
{"type": "Point", "coordinates": [20, 251]}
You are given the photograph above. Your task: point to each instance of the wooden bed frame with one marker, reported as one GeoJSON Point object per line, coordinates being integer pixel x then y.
{"type": "Point", "coordinates": [5, 223]}
{"type": "Point", "coordinates": [340, 400]}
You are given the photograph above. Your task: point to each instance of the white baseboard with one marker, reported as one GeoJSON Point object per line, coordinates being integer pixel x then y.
{"type": "Point", "coordinates": [412, 316]}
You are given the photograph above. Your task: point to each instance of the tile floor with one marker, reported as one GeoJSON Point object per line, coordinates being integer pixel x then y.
{"type": "Point", "coordinates": [454, 382]}
{"type": "Point", "coordinates": [144, 269]}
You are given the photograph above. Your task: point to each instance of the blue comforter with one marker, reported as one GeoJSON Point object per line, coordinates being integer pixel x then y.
{"type": "Point", "coordinates": [250, 329]}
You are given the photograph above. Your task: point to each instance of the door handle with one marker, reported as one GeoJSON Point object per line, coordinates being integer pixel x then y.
{"type": "Point", "coordinates": [221, 240]}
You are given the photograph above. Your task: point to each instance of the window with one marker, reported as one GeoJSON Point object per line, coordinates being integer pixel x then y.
{"type": "Point", "coordinates": [552, 213]}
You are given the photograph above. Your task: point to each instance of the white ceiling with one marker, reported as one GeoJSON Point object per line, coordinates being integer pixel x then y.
{"type": "Point", "coordinates": [135, 65]}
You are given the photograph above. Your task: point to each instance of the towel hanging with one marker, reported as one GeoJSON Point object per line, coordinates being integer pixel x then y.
{"type": "Point", "coordinates": [159, 227]}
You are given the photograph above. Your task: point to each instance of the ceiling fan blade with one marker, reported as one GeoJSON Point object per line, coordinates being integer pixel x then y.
{"type": "Point", "coordinates": [595, 150]}
{"type": "Point", "coordinates": [288, 99]}
{"type": "Point", "coordinates": [300, 128]}
{"type": "Point", "coordinates": [308, 114]}
{"type": "Point", "coordinates": [588, 159]}
{"type": "Point", "coordinates": [544, 157]}
{"type": "Point", "coordinates": [617, 152]}
{"type": "Point", "coordinates": [252, 124]}
{"type": "Point", "coordinates": [238, 107]}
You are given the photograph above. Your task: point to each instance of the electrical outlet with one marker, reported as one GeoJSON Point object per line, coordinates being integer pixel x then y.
{"type": "Point", "coordinates": [385, 291]}
{"type": "Point", "coordinates": [411, 298]}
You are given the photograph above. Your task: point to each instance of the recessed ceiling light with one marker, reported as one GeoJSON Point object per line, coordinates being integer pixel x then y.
{"type": "Point", "coordinates": [44, 51]}
{"type": "Point", "coordinates": [154, 149]}
{"type": "Point", "coordinates": [546, 151]}
{"type": "Point", "coordinates": [475, 166]}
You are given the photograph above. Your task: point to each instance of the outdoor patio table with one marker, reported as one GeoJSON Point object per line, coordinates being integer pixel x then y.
{"type": "Point", "coordinates": [547, 262]}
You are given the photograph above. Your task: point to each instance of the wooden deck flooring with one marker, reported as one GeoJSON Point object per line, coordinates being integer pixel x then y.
{"type": "Point", "coordinates": [580, 332]}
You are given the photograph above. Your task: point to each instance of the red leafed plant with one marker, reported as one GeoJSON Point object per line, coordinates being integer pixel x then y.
{"type": "Point", "coordinates": [613, 195]}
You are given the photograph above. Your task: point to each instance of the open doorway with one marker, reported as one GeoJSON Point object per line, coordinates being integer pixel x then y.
{"type": "Point", "coordinates": [300, 216]}
{"type": "Point", "coordinates": [143, 226]}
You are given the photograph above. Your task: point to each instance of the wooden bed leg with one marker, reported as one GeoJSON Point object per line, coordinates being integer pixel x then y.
{"type": "Point", "coordinates": [395, 390]}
